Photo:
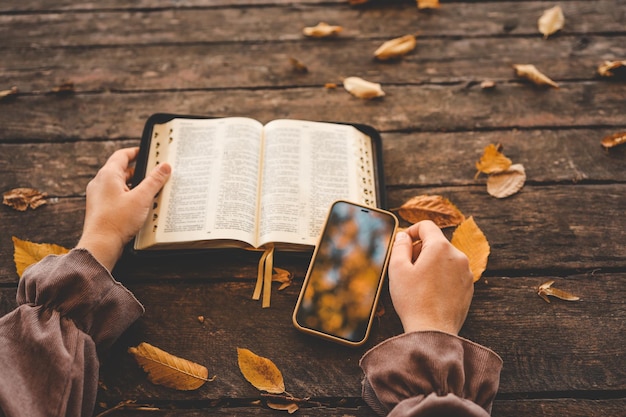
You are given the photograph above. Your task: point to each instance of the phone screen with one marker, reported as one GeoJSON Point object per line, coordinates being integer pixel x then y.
{"type": "Point", "coordinates": [341, 289]}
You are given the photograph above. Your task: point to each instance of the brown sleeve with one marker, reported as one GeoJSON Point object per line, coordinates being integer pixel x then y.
{"type": "Point", "coordinates": [430, 373]}
{"type": "Point", "coordinates": [69, 308]}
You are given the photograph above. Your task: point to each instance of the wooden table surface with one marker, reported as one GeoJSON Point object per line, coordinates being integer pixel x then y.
{"type": "Point", "coordinates": [127, 60]}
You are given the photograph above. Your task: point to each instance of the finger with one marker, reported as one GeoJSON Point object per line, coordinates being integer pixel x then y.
{"type": "Point", "coordinates": [401, 252]}
{"type": "Point", "coordinates": [154, 181]}
{"type": "Point", "coordinates": [426, 231]}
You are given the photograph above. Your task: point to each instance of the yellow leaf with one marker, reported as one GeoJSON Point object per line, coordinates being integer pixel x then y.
{"type": "Point", "coordinates": [27, 253]}
{"type": "Point", "coordinates": [8, 93]}
{"type": "Point", "coordinates": [22, 198]}
{"type": "Point", "coordinates": [289, 407]}
{"type": "Point", "coordinates": [283, 276]}
{"type": "Point", "coordinates": [470, 240]}
{"type": "Point", "coordinates": [396, 48]}
{"type": "Point", "coordinates": [614, 140]}
{"type": "Point", "coordinates": [322, 30]}
{"type": "Point", "coordinates": [613, 69]}
{"type": "Point", "coordinates": [546, 289]}
{"type": "Point", "coordinates": [169, 370]}
{"type": "Point", "coordinates": [431, 207]}
{"type": "Point", "coordinates": [492, 161]}
{"type": "Point", "coordinates": [427, 4]}
{"type": "Point", "coordinates": [260, 372]}
{"type": "Point", "coordinates": [530, 72]}
{"type": "Point", "coordinates": [361, 88]}
{"type": "Point", "coordinates": [551, 21]}
{"type": "Point", "coordinates": [507, 183]}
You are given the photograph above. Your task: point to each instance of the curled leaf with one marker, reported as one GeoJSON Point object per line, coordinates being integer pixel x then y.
{"type": "Point", "coordinates": [614, 140]}
{"type": "Point", "coordinates": [361, 88]}
{"type": "Point", "coordinates": [322, 30]}
{"type": "Point", "coordinates": [470, 240]}
{"type": "Point", "coordinates": [492, 161]}
{"type": "Point", "coordinates": [260, 372]}
{"type": "Point", "coordinates": [27, 253]}
{"type": "Point", "coordinates": [488, 84]}
{"type": "Point", "coordinates": [22, 198]}
{"type": "Point", "coordinates": [613, 69]}
{"type": "Point", "coordinates": [396, 48]}
{"type": "Point", "coordinates": [427, 4]}
{"type": "Point", "coordinates": [530, 72]}
{"type": "Point", "coordinates": [431, 207]}
{"type": "Point", "coordinates": [168, 370]}
{"type": "Point", "coordinates": [546, 289]}
{"type": "Point", "coordinates": [288, 407]}
{"type": "Point", "coordinates": [298, 66]}
{"type": "Point", "coordinates": [8, 93]}
{"type": "Point", "coordinates": [283, 276]}
{"type": "Point", "coordinates": [551, 21]}
{"type": "Point", "coordinates": [506, 183]}
{"type": "Point", "coordinates": [67, 87]}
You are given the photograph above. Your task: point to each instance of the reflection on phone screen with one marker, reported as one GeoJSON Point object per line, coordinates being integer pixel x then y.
{"type": "Point", "coordinates": [346, 272]}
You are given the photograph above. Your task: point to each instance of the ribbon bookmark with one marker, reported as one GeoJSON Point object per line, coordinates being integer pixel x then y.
{"type": "Point", "coordinates": [264, 277]}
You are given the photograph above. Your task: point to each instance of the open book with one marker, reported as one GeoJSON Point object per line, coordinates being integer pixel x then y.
{"type": "Point", "coordinates": [238, 183]}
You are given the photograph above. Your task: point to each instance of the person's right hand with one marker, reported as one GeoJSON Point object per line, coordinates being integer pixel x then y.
{"type": "Point", "coordinates": [430, 282]}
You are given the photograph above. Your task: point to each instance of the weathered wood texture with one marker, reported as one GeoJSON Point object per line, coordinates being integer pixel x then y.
{"type": "Point", "coordinates": [230, 57]}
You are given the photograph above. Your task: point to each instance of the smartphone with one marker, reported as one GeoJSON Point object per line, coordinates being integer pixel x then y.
{"type": "Point", "coordinates": [344, 280]}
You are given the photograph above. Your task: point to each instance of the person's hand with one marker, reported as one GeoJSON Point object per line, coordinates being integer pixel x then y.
{"type": "Point", "coordinates": [114, 213]}
{"type": "Point", "coordinates": [430, 282]}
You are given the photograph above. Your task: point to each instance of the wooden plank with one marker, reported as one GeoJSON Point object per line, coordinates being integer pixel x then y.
{"type": "Point", "coordinates": [410, 159]}
{"type": "Point", "coordinates": [530, 231]}
{"type": "Point", "coordinates": [285, 23]}
{"type": "Point", "coordinates": [423, 108]}
{"type": "Point", "coordinates": [128, 68]}
{"type": "Point", "coordinates": [540, 343]}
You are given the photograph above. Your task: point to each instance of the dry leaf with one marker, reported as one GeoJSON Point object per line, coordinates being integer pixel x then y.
{"type": "Point", "coordinates": [330, 86]}
{"type": "Point", "coordinates": [322, 30]}
{"type": "Point", "coordinates": [530, 72]}
{"type": "Point", "coordinates": [361, 88]}
{"type": "Point", "coordinates": [65, 88]}
{"type": "Point", "coordinates": [507, 183]}
{"type": "Point", "coordinates": [260, 372]}
{"type": "Point", "coordinates": [492, 161]}
{"type": "Point", "coordinates": [8, 93]}
{"type": "Point", "coordinates": [431, 207]}
{"type": "Point", "coordinates": [546, 289]}
{"type": "Point", "coordinates": [470, 240]}
{"type": "Point", "coordinates": [168, 370]}
{"type": "Point", "coordinates": [298, 66]}
{"type": "Point", "coordinates": [27, 253]}
{"type": "Point", "coordinates": [614, 140]}
{"type": "Point", "coordinates": [396, 48]}
{"type": "Point", "coordinates": [22, 198]}
{"type": "Point", "coordinates": [487, 84]}
{"type": "Point", "coordinates": [613, 69]}
{"type": "Point", "coordinates": [551, 21]}
{"type": "Point", "coordinates": [283, 276]}
{"type": "Point", "coordinates": [427, 4]}
{"type": "Point", "coordinates": [289, 407]}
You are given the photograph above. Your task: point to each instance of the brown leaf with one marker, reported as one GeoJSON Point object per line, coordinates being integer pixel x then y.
{"type": "Point", "coordinates": [283, 276]}
{"type": "Point", "coordinates": [298, 66]}
{"type": "Point", "coordinates": [168, 370]}
{"type": "Point", "coordinates": [427, 4]}
{"type": "Point", "coordinates": [27, 253]}
{"type": "Point", "coordinates": [530, 72]}
{"type": "Point", "coordinates": [488, 84]}
{"type": "Point", "coordinates": [66, 87]}
{"type": "Point", "coordinates": [613, 69]}
{"type": "Point", "coordinates": [322, 30]}
{"type": "Point", "coordinates": [8, 93]}
{"type": "Point", "coordinates": [289, 407]}
{"type": "Point", "coordinates": [507, 183]}
{"type": "Point", "coordinates": [22, 198]}
{"type": "Point", "coordinates": [396, 48]}
{"type": "Point", "coordinates": [470, 240]}
{"type": "Point", "coordinates": [431, 207]}
{"type": "Point", "coordinates": [361, 88]}
{"type": "Point", "coordinates": [614, 140]}
{"type": "Point", "coordinates": [260, 372]}
{"type": "Point", "coordinates": [546, 289]}
{"type": "Point", "coordinates": [551, 21]}
{"type": "Point", "coordinates": [492, 161]}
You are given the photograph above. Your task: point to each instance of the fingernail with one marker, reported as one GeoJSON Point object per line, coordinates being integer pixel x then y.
{"type": "Point", "coordinates": [401, 236]}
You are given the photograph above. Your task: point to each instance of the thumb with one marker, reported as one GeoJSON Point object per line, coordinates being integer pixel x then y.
{"type": "Point", "coordinates": [154, 181]}
{"type": "Point", "coordinates": [401, 253]}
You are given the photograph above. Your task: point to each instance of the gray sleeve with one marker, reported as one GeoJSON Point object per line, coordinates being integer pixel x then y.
{"type": "Point", "coordinates": [430, 373]}
{"type": "Point", "coordinates": [69, 307]}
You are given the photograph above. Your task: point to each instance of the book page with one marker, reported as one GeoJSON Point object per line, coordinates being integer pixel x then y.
{"type": "Point", "coordinates": [212, 192]}
{"type": "Point", "coordinates": [306, 167]}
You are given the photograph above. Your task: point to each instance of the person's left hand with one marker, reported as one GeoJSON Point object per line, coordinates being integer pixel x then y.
{"type": "Point", "coordinates": [114, 213]}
